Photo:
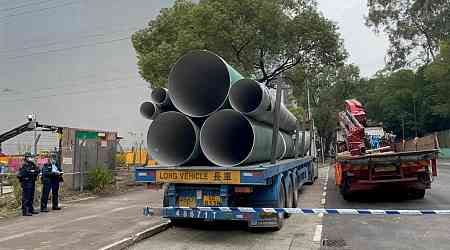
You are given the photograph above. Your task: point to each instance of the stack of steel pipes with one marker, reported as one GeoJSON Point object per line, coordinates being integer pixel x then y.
{"type": "Point", "coordinates": [211, 114]}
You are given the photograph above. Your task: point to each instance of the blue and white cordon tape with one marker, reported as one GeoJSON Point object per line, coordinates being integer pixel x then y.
{"type": "Point", "coordinates": [309, 211]}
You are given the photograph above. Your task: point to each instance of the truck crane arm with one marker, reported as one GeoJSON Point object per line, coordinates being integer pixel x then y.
{"type": "Point", "coordinates": [351, 120]}
{"type": "Point", "coordinates": [29, 126]}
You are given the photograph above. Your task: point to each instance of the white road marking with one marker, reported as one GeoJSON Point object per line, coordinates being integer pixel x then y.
{"type": "Point", "coordinates": [324, 194]}
{"type": "Point", "coordinates": [320, 215]}
{"type": "Point", "coordinates": [317, 233]}
{"type": "Point", "coordinates": [323, 201]}
{"type": "Point", "coordinates": [122, 208]}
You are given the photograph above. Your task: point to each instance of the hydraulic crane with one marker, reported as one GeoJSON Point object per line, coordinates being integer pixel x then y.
{"type": "Point", "coordinates": [31, 125]}
{"type": "Point", "coordinates": [380, 167]}
{"type": "Point", "coordinates": [353, 120]}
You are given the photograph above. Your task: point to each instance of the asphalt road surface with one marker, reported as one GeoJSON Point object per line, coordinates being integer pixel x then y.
{"type": "Point", "coordinates": [361, 232]}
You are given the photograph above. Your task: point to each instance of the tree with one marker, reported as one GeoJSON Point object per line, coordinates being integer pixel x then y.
{"type": "Point", "coordinates": [262, 39]}
{"type": "Point", "coordinates": [438, 72]}
{"type": "Point", "coordinates": [329, 88]}
{"type": "Point", "coordinates": [414, 28]}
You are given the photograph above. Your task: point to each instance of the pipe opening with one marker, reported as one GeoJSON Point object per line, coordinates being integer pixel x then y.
{"type": "Point", "coordinates": [199, 83]}
{"type": "Point", "coordinates": [148, 110]}
{"type": "Point", "coordinates": [246, 95]}
{"type": "Point", "coordinates": [159, 95]}
{"type": "Point", "coordinates": [227, 138]}
{"type": "Point", "coordinates": [172, 139]}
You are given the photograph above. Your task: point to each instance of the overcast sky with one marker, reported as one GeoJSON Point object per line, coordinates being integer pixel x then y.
{"type": "Point", "coordinates": [71, 61]}
{"type": "Point", "coordinates": [367, 50]}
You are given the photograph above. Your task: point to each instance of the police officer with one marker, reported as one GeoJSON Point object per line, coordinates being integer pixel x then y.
{"type": "Point", "coordinates": [27, 175]}
{"type": "Point", "coordinates": [51, 177]}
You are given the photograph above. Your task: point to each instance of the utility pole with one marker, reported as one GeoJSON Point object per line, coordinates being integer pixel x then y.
{"type": "Point", "coordinates": [415, 116]}
{"type": "Point", "coordinates": [403, 132]}
{"type": "Point", "coordinates": [35, 137]}
{"type": "Point", "coordinates": [308, 101]}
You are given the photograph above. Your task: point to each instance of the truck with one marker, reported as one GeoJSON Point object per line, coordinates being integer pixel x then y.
{"type": "Point", "coordinates": [367, 158]}
{"type": "Point", "coordinates": [262, 185]}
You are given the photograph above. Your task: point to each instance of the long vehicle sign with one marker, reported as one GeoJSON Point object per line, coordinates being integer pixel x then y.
{"type": "Point", "coordinates": [198, 176]}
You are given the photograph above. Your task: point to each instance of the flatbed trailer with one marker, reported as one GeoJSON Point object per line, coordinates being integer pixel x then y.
{"type": "Point", "coordinates": [262, 185]}
{"type": "Point", "coordinates": [410, 171]}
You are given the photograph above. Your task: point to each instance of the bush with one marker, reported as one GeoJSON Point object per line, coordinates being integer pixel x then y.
{"type": "Point", "coordinates": [17, 189]}
{"type": "Point", "coordinates": [100, 179]}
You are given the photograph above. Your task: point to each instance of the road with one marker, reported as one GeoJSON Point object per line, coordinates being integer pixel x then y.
{"type": "Point", "coordinates": [358, 232]}
{"type": "Point", "coordinates": [390, 232]}
{"type": "Point", "coordinates": [297, 233]}
{"type": "Point", "coordinates": [89, 224]}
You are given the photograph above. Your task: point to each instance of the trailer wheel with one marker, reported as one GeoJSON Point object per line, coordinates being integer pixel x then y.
{"type": "Point", "coordinates": [295, 192]}
{"type": "Point", "coordinates": [281, 202]}
{"type": "Point", "coordinates": [312, 174]}
{"type": "Point", "coordinates": [289, 201]}
{"type": "Point", "coordinates": [416, 193]}
{"type": "Point", "coordinates": [166, 198]}
{"type": "Point", "coordinates": [344, 189]}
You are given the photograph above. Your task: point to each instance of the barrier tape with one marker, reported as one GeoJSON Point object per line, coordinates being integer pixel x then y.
{"type": "Point", "coordinates": [149, 211]}
{"type": "Point", "coordinates": [40, 174]}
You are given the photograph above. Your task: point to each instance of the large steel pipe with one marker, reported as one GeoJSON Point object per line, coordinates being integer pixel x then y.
{"type": "Point", "coordinates": [303, 143]}
{"type": "Point", "coordinates": [289, 146]}
{"type": "Point", "coordinates": [199, 83]}
{"type": "Point", "coordinates": [149, 110]}
{"type": "Point", "coordinates": [161, 97]}
{"type": "Point", "coordinates": [257, 101]}
{"type": "Point", "coordinates": [173, 139]}
{"type": "Point", "coordinates": [229, 138]}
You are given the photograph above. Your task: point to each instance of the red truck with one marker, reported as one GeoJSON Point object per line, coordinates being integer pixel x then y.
{"type": "Point", "coordinates": [367, 159]}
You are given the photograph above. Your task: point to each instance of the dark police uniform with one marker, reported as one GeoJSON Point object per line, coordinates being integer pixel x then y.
{"type": "Point", "coordinates": [27, 175]}
{"type": "Point", "coordinates": [50, 182]}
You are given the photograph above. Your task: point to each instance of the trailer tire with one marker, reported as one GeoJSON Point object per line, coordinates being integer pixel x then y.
{"type": "Point", "coordinates": [166, 198]}
{"type": "Point", "coordinates": [416, 193]}
{"type": "Point", "coordinates": [281, 202]}
{"type": "Point", "coordinates": [344, 189]}
{"type": "Point", "coordinates": [295, 192]}
{"type": "Point", "coordinates": [311, 174]}
{"type": "Point", "coordinates": [289, 201]}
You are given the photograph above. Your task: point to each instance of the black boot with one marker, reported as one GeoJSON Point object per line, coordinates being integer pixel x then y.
{"type": "Point", "coordinates": [44, 210]}
{"type": "Point", "coordinates": [34, 212]}
{"type": "Point", "coordinates": [56, 208]}
{"type": "Point", "coordinates": [26, 214]}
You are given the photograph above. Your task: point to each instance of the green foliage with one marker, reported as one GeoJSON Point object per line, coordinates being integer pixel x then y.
{"type": "Point", "coordinates": [298, 112]}
{"type": "Point", "coordinates": [100, 179]}
{"type": "Point", "coordinates": [329, 88]}
{"type": "Point", "coordinates": [261, 39]}
{"type": "Point", "coordinates": [438, 72]}
{"type": "Point", "coordinates": [121, 159]}
{"type": "Point", "coordinates": [17, 190]}
{"type": "Point", "coordinates": [414, 28]}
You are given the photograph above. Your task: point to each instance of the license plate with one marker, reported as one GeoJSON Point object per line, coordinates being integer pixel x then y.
{"type": "Point", "coordinates": [211, 200]}
{"type": "Point", "coordinates": [196, 214]}
{"type": "Point", "coordinates": [187, 201]}
{"type": "Point", "coordinates": [386, 169]}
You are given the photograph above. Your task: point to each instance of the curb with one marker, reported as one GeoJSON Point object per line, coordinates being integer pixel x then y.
{"type": "Point", "coordinates": [129, 241]}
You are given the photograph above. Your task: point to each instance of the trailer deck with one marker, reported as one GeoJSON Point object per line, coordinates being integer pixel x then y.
{"type": "Point", "coordinates": [255, 174]}
{"type": "Point", "coordinates": [388, 157]}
